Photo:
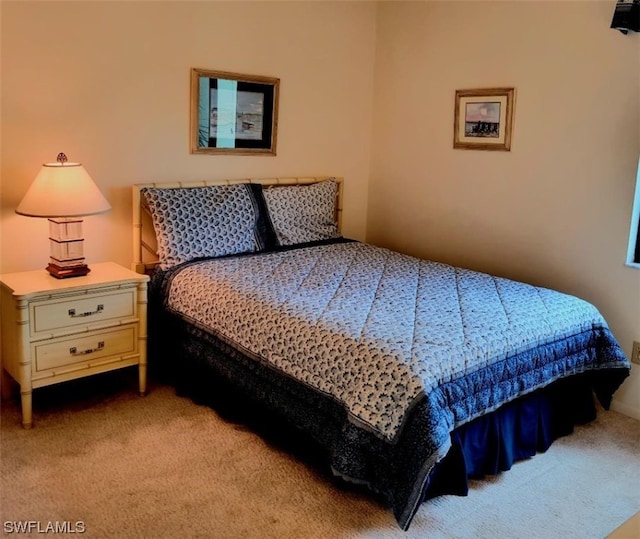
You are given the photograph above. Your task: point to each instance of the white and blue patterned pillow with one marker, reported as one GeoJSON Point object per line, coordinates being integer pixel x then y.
{"type": "Point", "coordinates": [201, 222]}
{"type": "Point", "coordinates": [303, 213]}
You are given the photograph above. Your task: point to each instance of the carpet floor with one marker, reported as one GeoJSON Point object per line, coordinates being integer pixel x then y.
{"type": "Point", "coordinates": [104, 461]}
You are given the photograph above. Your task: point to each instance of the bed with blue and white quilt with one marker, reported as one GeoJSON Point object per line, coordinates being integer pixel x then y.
{"type": "Point", "coordinates": [410, 375]}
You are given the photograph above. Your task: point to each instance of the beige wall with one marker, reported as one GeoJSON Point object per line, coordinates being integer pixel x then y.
{"type": "Point", "coordinates": [556, 209]}
{"type": "Point", "coordinates": [108, 83]}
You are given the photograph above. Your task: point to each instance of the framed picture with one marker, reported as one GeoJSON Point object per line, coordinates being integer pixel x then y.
{"type": "Point", "coordinates": [483, 119]}
{"type": "Point", "coordinates": [233, 113]}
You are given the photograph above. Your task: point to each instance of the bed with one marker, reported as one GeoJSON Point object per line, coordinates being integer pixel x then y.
{"type": "Point", "coordinates": [405, 376]}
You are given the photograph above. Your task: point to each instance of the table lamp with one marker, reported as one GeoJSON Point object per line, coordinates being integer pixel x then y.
{"type": "Point", "coordinates": [64, 193]}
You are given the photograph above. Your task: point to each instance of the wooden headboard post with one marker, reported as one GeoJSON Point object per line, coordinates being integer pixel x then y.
{"type": "Point", "coordinates": [142, 227]}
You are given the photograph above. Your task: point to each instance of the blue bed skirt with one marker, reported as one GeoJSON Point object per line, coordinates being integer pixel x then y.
{"type": "Point", "coordinates": [492, 443]}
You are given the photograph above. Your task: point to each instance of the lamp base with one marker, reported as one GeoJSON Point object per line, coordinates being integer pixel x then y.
{"type": "Point", "coordinates": [63, 272]}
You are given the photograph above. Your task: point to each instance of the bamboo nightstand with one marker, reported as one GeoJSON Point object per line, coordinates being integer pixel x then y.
{"type": "Point", "coordinates": [54, 330]}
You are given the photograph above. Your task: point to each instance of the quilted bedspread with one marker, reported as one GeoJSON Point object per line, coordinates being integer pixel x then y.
{"type": "Point", "coordinates": [378, 331]}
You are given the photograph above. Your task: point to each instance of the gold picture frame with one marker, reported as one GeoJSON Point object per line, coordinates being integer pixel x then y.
{"type": "Point", "coordinates": [483, 119]}
{"type": "Point", "coordinates": [233, 113]}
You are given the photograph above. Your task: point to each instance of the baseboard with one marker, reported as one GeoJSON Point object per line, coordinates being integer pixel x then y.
{"type": "Point", "coordinates": [625, 409]}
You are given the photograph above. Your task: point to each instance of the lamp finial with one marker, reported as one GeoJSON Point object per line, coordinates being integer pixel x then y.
{"type": "Point", "coordinates": [62, 158]}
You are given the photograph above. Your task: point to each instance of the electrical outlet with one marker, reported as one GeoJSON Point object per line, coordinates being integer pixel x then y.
{"type": "Point", "coordinates": [635, 353]}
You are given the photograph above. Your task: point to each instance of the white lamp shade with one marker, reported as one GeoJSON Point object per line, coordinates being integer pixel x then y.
{"type": "Point", "coordinates": [63, 190]}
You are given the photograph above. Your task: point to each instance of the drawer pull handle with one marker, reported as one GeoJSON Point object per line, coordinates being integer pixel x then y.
{"type": "Point", "coordinates": [99, 309]}
{"type": "Point", "coordinates": [74, 351]}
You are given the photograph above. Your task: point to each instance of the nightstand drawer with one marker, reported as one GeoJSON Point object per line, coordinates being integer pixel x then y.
{"type": "Point", "coordinates": [86, 349]}
{"type": "Point", "coordinates": [60, 316]}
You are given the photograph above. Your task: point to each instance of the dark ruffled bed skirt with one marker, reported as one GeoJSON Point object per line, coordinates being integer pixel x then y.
{"type": "Point", "coordinates": [518, 430]}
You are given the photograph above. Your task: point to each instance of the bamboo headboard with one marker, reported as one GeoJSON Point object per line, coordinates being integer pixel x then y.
{"type": "Point", "coordinates": [144, 242]}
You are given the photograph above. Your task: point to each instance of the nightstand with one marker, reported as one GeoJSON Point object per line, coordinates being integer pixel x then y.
{"type": "Point", "coordinates": [54, 330]}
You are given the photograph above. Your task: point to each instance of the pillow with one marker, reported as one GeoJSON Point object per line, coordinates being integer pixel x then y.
{"type": "Point", "coordinates": [197, 222]}
{"type": "Point", "coordinates": [303, 213]}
